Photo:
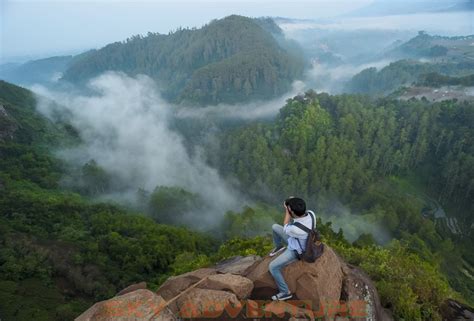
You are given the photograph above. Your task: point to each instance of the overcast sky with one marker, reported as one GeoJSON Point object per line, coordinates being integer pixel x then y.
{"type": "Point", "coordinates": [35, 28]}
{"type": "Point", "coordinates": [31, 29]}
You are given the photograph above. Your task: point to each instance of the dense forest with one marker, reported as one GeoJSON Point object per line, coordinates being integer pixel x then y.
{"type": "Point", "coordinates": [229, 60]}
{"type": "Point", "coordinates": [389, 161]}
{"type": "Point", "coordinates": [61, 251]}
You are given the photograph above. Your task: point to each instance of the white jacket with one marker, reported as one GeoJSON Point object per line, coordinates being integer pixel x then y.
{"type": "Point", "coordinates": [294, 232]}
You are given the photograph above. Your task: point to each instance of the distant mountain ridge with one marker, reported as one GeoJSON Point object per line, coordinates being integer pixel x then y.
{"type": "Point", "coordinates": [387, 7]}
{"type": "Point", "coordinates": [229, 60]}
{"type": "Point", "coordinates": [438, 48]}
{"type": "Point", "coordinates": [42, 71]}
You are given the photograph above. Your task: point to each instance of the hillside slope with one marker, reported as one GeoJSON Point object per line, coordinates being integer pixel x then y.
{"type": "Point", "coordinates": [58, 251]}
{"type": "Point", "coordinates": [229, 60]}
{"type": "Point", "coordinates": [44, 71]}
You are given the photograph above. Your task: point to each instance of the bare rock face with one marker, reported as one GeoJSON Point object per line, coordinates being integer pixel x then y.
{"type": "Point", "coordinates": [361, 295]}
{"type": "Point", "coordinates": [239, 265]}
{"type": "Point", "coordinates": [205, 303]}
{"type": "Point", "coordinates": [287, 311]}
{"type": "Point", "coordinates": [176, 284]}
{"type": "Point", "coordinates": [318, 282]}
{"type": "Point", "coordinates": [452, 310]}
{"type": "Point", "coordinates": [239, 285]}
{"type": "Point", "coordinates": [137, 305]}
{"type": "Point", "coordinates": [133, 287]}
{"type": "Point", "coordinates": [8, 125]}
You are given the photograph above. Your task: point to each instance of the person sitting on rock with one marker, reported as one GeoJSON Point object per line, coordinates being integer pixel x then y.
{"type": "Point", "coordinates": [290, 239]}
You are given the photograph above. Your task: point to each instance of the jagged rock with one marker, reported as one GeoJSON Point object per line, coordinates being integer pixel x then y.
{"type": "Point", "coordinates": [176, 284]}
{"type": "Point", "coordinates": [239, 265]}
{"type": "Point", "coordinates": [357, 288]}
{"type": "Point", "coordinates": [317, 282]}
{"type": "Point", "coordinates": [287, 311]}
{"type": "Point", "coordinates": [137, 305]}
{"type": "Point", "coordinates": [452, 310]}
{"type": "Point", "coordinates": [8, 125]}
{"type": "Point", "coordinates": [205, 303]}
{"type": "Point", "coordinates": [239, 285]}
{"type": "Point", "coordinates": [3, 112]}
{"type": "Point", "coordinates": [133, 287]}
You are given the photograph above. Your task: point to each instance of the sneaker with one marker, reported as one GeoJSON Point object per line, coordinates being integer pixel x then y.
{"type": "Point", "coordinates": [282, 296]}
{"type": "Point", "coordinates": [276, 250]}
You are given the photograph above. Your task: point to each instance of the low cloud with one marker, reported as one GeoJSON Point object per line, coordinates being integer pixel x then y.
{"type": "Point", "coordinates": [249, 111]}
{"type": "Point", "coordinates": [353, 225]}
{"type": "Point", "coordinates": [124, 128]}
{"type": "Point", "coordinates": [333, 79]}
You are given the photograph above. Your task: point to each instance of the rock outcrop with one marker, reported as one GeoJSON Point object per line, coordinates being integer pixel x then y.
{"type": "Point", "coordinates": [238, 285]}
{"type": "Point", "coordinates": [240, 289]}
{"type": "Point", "coordinates": [239, 265]}
{"type": "Point", "coordinates": [452, 310]}
{"type": "Point", "coordinates": [175, 285]}
{"type": "Point", "coordinates": [358, 287]}
{"type": "Point", "coordinates": [137, 305]}
{"type": "Point", "coordinates": [133, 287]}
{"type": "Point", "coordinates": [8, 125]}
{"type": "Point", "coordinates": [318, 282]}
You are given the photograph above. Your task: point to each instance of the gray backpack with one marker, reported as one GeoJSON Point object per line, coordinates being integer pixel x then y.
{"type": "Point", "coordinates": [312, 251]}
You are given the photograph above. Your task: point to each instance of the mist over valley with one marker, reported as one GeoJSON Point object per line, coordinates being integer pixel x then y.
{"type": "Point", "coordinates": [163, 153]}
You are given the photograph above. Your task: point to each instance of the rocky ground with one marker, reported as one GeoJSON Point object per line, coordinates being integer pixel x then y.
{"type": "Point", "coordinates": [239, 289]}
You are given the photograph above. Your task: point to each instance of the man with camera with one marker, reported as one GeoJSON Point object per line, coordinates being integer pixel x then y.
{"type": "Point", "coordinates": [290, 240]}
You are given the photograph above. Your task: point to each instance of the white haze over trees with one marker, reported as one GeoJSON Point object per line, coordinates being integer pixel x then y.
{"type": "Point", "coordinates": [124, 127]}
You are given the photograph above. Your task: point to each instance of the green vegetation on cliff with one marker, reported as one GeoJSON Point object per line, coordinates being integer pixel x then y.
{"type": "Point", "coordinates": [59, 252]}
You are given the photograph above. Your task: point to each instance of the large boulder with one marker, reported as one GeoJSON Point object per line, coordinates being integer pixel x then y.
{"type": "Point", "coordinates": [286, 311]}
{"type": "Point", "coordinates": [318, 282]}
{"type": "Point", "coordinates": [239, 265]}
{"type": "Point", "coordinates": [137, 305]}
{"type": "Point", "coordinates": [361, 296]}
{"type": "Point", "coordinates": [239, 285]}
{"type": "Point", "coordinates": [133, 287]}
{"type": "Point", "coordinates": [176, 284]}
{"type": "Point", "coordinates": [452, 310]}
{"type": "Point", "coordinates": [205, 304]}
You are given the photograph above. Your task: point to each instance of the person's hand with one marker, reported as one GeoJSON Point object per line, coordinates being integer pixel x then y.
{"type": "Point", "coordinates": [284, 202]}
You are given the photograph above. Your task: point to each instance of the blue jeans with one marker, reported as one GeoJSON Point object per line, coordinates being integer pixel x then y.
{"type": "Point", "coordinates": [288, 256]}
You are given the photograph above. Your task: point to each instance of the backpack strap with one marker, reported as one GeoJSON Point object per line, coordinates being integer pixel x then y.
{"type": "Point", "coordinates": [304, 228]}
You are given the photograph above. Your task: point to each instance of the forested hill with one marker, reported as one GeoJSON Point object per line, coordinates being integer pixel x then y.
{"type": "Point", "coordinates": [389, 161]}
{"type": "Point", "coordinates": [229, 60]}
{"type": "Point", "coordinates": [60, 253]}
